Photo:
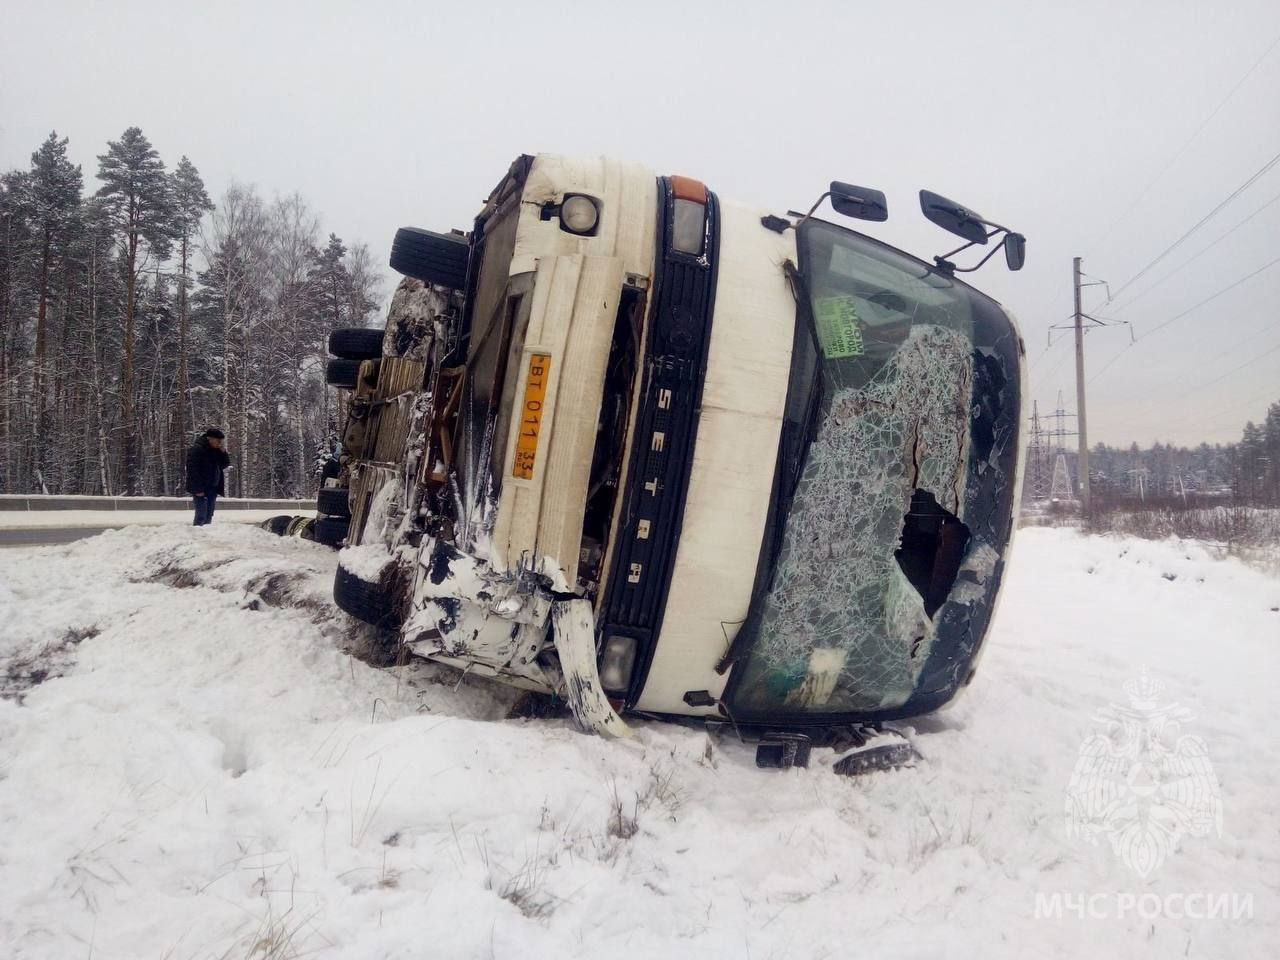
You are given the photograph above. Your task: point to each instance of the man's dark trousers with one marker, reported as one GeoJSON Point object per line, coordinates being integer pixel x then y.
{"type": "Point", "coordinates": [204, 508]}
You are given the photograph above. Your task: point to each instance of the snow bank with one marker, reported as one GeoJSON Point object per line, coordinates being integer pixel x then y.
{"type": "Point", "coordinates": [366, 561]}
{"type": "Point", "coordinates": [212, 774]}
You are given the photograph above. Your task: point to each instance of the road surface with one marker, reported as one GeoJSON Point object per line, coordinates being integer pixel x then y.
{"type": "Point", "coordinates": [36, 536]}
{"type": "Point", "coordinates": [41, 528]}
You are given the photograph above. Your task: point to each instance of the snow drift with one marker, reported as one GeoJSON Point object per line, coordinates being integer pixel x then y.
{"type": "Point", "coordinates": [194, 764]}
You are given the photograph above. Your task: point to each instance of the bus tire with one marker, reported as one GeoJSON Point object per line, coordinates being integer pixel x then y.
{"type": "Point", "coordinates": [330, 531]}
{"type": "Point", "coordinates": [356, 343]}
{"type": "Point", "coordinates": [371, 602]}
{"type": "Point", "coordinates": [342, 373]}
{"type": "Point", "coordinates": [279, 525]}
{"type": "Point", "coordinates": [333, 502]}
{"type": "Point", "coordinates": [436, 258]}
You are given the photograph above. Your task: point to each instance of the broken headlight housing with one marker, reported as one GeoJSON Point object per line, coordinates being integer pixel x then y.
{"type": "Point", "coordinates": [617, 660]}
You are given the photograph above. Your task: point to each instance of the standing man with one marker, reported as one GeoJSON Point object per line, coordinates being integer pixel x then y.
{"type": "Point", "coordinates": [205, 463]}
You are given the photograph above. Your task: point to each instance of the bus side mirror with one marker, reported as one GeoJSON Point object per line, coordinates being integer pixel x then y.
{"type": "Point", "coordinates": [862, 203]}
{"type": "Point", "coordinates": [1015, 250]}
{"type": "Point", "coordinates": [952, 217]}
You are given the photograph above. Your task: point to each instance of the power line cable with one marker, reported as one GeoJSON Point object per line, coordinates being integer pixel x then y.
{"type": "Point", "coordinates": [1200, 223]}
{"type": "Point", "coordinates": [1185, 263]}
{"type": "Point", "coordinates": [1185, 376]}
{"type": "Point", "coordinates": [1252, 360]}
{"type": "Point", "coordinates": [1108, 365]}
{"type": "Point", "coordinates": [1271, 393]}
{"type": "Point", "coordinates": [1039, 357]}
{"type": "Point", "coordinates": [1190, 140]}
{"type": "Point", "coordinates": [1215, 296]}
{"type": "Point", "coordinates": [1204, 386]}
{"type": "Point", "coordinates": [1230, 348]}
{"type": "Point", "coordinates": [1179, 316]}
{"type": "Point", "coordinates": [1048, 346]}
{"type": "Point", "coordinates": [1058, 363]}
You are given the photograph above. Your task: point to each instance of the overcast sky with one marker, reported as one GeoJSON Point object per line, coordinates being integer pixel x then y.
{"type": "Point", "coordinates": [1052, 118]}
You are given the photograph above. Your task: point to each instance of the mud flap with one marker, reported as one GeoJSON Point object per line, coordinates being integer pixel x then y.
{"type": "Point", "coordinates": [574, 628]}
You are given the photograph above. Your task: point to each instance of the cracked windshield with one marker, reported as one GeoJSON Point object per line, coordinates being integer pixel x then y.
{"type": "Point", "coordinates": [843, 628]}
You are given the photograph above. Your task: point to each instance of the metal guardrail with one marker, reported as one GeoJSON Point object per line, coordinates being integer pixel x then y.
{"type": "Point", "coordinates": [22, 501]}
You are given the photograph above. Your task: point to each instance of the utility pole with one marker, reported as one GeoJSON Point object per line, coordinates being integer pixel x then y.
{"type": "Point", "coordinates": [1082, 433]}
{"type": "Point", "coordinates": [1083, 436]}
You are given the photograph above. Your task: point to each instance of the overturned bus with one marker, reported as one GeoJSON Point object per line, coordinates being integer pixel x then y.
{"type": "Point", "coordinates": [664, 455]}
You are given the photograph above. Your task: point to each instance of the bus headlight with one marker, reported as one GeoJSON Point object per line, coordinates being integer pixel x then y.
{"type": "Point", "coordinates": [688, 215]}
{"type": "Point", "coordinates": [616, 663]}
{"type": "Point", "coordinates": [579, 214]}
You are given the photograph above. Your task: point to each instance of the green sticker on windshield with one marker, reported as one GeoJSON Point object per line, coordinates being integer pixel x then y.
{"type": "Point", "coordinates": [839, 333]}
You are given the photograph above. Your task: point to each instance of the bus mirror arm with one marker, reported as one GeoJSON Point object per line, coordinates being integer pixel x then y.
{"type": "Point", "coordinates": [1013, 244]}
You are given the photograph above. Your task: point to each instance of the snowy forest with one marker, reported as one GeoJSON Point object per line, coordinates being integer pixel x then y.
{"type": "Point", "coordinates": [136, 312]}
{"type": "Point", "coordinates": [1246, 472]}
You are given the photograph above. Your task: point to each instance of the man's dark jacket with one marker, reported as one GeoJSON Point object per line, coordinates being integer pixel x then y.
{"type": "Point", "coordinates": [204, 468]}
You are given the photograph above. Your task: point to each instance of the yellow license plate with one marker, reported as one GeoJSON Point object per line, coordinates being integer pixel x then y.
{"type": "Point", "coordinates": [531, 411]}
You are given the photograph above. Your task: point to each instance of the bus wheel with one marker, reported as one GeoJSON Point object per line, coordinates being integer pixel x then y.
{"type": "Point", "coordinates": [371, 602]}
{"type": "Point", "coordinates": [333, 502]}
{"type": "Point", "coordinates": [436, 258]}
{"type": "Point", "coordinates": [330, 531]}
{"type": "Point", "coordinates": [356, 343]}
{"type": "Point", "coordinates": [342, 373]}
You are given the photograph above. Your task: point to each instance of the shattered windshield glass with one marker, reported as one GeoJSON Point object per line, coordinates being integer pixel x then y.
{"type": "Point", "coordinates": [877, 543]}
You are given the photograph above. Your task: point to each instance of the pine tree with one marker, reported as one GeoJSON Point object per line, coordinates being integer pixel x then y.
{"type": "Point", "coordinates": [1271, 446]}
{"type": "Point", "coordinates": [15, 251]}
{"type": "Point", "coordinates": [332, 274]}
{"type": "Point", "coordinates": [98, 295]}
{"type": "Point", "coordinates": [117, 331]}
{"type": "Point", "coordinates": [332, 279]}
{"type": "Point", "coordinates": [1249, 454]}
{"type": "Point", "coordinates": [53, 187]}
{"type": "Point", "coordinates": [190, 204]}
{"type": "Point", "coordinates": [137, 190]}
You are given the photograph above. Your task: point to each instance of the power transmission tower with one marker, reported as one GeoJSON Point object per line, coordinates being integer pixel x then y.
{"type": "Point", "coordinates": [1059, 431]}
{"type": "Point", "coordinates": [1037, 454]}
{"type": "Point", "coordinates": [1060, 485]}
{"type": "Point", "coordinates": [1060, 489]}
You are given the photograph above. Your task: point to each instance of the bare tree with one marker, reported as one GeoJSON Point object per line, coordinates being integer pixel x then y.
{"type": "Point", "coordinates": [237, 250]}
{"type": "Point", "coordinates": [295, 231]}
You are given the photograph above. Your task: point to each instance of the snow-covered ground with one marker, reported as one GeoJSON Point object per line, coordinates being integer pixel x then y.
{"type": "Point", "coordinates": [192, 765]}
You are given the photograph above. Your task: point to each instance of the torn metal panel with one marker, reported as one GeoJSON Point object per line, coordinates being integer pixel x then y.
{"type": "Point", "coordinates": [384, 513]}
{"type": "Point", "coordinates": [575, 637]}
{"type": "Point", "coordinates": [463, 609]}
{"type": "Point", "coordinates": [418, 316]}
